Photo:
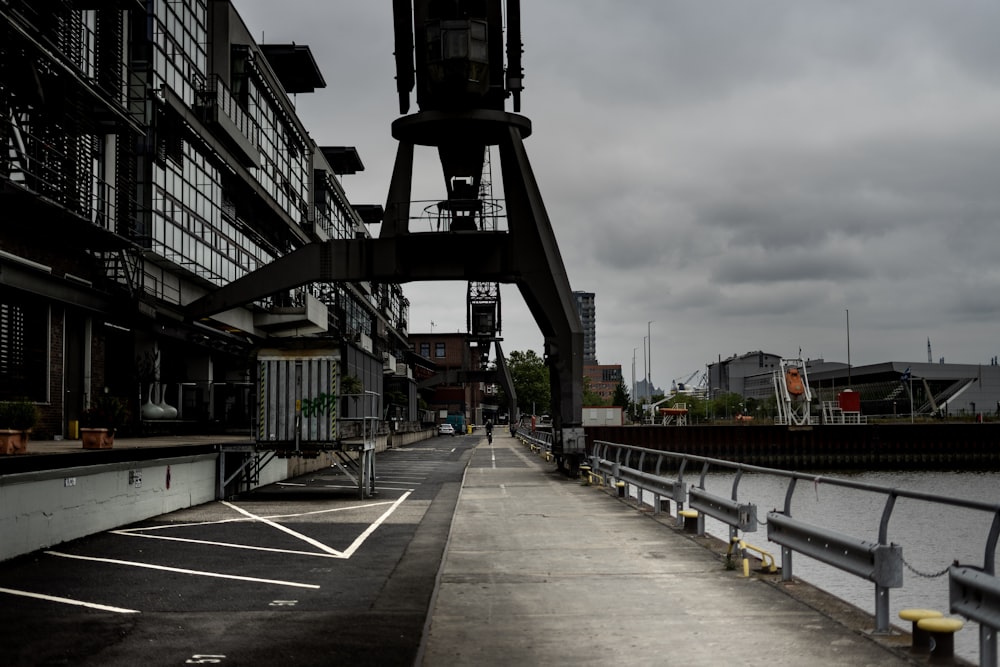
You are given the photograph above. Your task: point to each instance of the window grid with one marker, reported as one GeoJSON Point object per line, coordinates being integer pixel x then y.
{"type": "Point", "coordinates": [190, 226]}
{"type": "Point", "coordinates": [179, 36]}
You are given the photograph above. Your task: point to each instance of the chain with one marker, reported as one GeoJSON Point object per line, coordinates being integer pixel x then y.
{"type": "Point", "coordinates": [926, 575]}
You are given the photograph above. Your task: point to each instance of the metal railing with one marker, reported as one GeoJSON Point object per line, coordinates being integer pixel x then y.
{"type": "Point", "coordinates": [974, 590]}
{"type": "Point", "coordinates": [540, 442]}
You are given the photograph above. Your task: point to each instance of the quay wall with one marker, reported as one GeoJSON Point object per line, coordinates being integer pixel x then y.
{"type": "Point", "coordinates": [867, 446]}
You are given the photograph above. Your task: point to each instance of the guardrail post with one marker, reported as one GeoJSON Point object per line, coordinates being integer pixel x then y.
{"type": "Point", "coordinates": [786, 564]}
{"type": "Point", "coordinates": [882, 610]}
{"type": "Point", "coordinates": [975, 594]}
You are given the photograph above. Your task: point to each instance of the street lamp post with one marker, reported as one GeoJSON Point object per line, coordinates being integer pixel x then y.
{"type": "Point", "coordinates": [649, 371]}
{"type": "Point", "coordinates": [634, 397]}
{"type": "Point", "coordinates": [645, 379]}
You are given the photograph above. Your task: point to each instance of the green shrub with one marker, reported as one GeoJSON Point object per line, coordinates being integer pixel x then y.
{"type": "Point", "coordinates": [105, 412]}
{"type": "Point", "coordinates": [20, 415]}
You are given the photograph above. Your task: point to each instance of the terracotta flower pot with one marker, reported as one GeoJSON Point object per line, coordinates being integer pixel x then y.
{"type": "Point", "coordinates": [97, 438]}
{"type": "Point", "coordinates": [13, 442]}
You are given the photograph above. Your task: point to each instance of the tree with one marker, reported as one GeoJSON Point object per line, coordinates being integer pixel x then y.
{"type": "Point", "coordinates": [530, 376]}
{"type": "Point", "coordinates": [621, 397]}
{"type": "Point", "coordinates": [591, 397]}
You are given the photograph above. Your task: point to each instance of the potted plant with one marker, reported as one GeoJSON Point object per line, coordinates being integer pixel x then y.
{"type": "Point", "coordinates": [99, 422]}
{"type": "Point", "coordinates": [17, 418]}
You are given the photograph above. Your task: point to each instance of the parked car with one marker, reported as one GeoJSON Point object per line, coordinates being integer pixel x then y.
{"type": "Point", "coordinates": [446, 429]}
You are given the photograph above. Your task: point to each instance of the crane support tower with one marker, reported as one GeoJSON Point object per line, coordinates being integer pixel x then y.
{"type": "Point", "coordinates": [791, 388]}
{"type": "Point", "coordinates": [452, 54]}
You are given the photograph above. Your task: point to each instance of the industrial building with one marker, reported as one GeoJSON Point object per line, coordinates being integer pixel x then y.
{"type": "Point", "coordinates": [151, 154]}
{"type": "Point", "coordinates": [452, 379]}
{"type": "Point", "coordinates": [889, 389]}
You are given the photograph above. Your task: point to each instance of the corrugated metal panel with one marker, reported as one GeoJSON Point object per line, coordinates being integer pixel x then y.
{"type": "Point", "coordinates": [297, 386]}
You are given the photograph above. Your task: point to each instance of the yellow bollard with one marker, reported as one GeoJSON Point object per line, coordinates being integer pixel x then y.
{"type": "Point", "coordinates": [690, 520]}
{"type": "Point", "coordinates": [942, 638]}
{"type": "Point", "coordinates": [921, 639]}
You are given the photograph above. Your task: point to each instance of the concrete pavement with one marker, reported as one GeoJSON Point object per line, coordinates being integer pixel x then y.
{"type": "Point", "coordinates": [542, 570]}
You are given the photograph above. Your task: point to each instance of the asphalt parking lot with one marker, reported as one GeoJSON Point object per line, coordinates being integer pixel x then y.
{"type": "Point", "coordinates": [303, 572]}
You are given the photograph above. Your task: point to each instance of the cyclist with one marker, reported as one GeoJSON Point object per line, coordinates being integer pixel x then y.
{"type": "Point", "coordinates": [489, 431]}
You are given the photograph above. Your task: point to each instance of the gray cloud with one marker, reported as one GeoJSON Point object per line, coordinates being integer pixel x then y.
{"type": "Point", "coordinates": [740, 173]}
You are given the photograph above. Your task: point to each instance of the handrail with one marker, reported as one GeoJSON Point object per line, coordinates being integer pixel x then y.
{"type": "Point", "coordinates": [539, 441]}
{"type": "Point", "coordinates": [977, 583]}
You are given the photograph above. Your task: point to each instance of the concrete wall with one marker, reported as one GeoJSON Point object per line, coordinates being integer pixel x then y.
{"type": "Point", "coordinates": [42, 509]}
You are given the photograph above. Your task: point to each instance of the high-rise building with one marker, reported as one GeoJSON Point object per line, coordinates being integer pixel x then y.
{"type": "Point", "coordinates": [588, 318]}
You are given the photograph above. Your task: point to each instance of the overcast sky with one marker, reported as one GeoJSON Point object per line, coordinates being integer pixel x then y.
{"type": "Point", "coordinates": [742, 173]}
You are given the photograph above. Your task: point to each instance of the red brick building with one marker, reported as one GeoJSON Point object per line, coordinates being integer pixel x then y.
{"type": "Point", "coordinates": [446, 354]}
{"type": "Point", "coordinates": [604, 379]}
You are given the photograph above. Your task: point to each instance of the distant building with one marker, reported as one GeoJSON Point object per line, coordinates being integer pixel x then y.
{"type": "Point", "coordinates": [588, 318]}
{"type": "Point", "coordinates": [452, 360]}
{"type": "Point", "coordinates": [644, 390]}
{"type": "Point", "coordinates": [747, 374]}
{"type": "Point", "coordinates": [893, 388]}
{"type": "Point", "coordinates": [603, 379]}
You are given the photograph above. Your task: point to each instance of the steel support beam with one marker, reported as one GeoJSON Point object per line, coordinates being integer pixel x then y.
{"type": "Point", "coordinates": [399, 259]}
{"type": "Point", "coordinates": [545, 287]}
{"type": "Point", "coordinates": [507, 383]}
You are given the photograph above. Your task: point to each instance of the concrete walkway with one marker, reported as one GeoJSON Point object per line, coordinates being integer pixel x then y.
{"type": "Point", "coordinates": [543, 570]}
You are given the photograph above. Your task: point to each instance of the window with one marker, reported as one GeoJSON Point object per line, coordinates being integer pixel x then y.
{"type": "Point", "coordinates": [24, 337]}
{"type": "Point", "coordinates": [439, 350]}
{"type": "Point", "coordinates": [425, 350]}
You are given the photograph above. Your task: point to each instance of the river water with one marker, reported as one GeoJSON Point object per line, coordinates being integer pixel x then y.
{"type": "Point", "coordinates": [932, 536]}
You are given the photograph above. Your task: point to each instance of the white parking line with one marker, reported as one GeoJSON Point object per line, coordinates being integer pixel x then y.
{"type": "Point", "coordinates": [247, 519]}
{"type": "Point", "coordinates": [200, 573]}
{"type": "Point", "coordinates": [285, 529]}
{"type": "Point", "coordinates": [371, 529]}
{"type": "Point", "coordinates": [229, 545]}
{"type": "Point", "coordinates": [78, 603]}
{"type": "Point", "coordinates": [328, 551]}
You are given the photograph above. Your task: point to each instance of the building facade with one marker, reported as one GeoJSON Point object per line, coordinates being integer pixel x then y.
{"type": "Point", "coordinates": [152, 154]}
{"type": "Point", "coordinates": [603, 379]}
{"type": "Point", "coordinates": [445, 364]}
{"type": "Point", "coordinates": [890, 389]}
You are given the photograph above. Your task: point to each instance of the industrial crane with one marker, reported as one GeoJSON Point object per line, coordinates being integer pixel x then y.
{"type": "Point", "coordinates": [452, 54]}
{"type": "Point", "coordinates": [683, 386]}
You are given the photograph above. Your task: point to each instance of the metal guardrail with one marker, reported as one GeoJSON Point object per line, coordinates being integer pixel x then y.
{"type": "Point", "coordinates": [540, 442]}
{"type": "Point", "coordinates": [974, 590]}
{"type": "Point", "coordinates": [741, 516]}
{"type": "Point", "coordinates": [881, 564]}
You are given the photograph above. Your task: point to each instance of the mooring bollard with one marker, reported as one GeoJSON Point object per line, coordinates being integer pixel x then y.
{"type": "Point", "coordinates": [921, 639]}
{"type": "Point", "coordinates": [621, 489]}
{"type": "Point", "coordinates": [942, 638]}
{"type": "Point", "coordinates": [690, 520]}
